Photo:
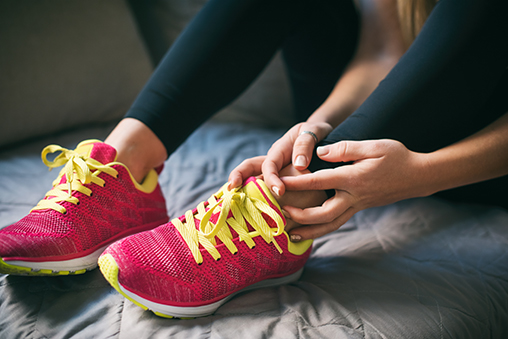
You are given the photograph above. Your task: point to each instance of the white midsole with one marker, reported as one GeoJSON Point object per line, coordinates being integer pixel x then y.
{"type": "Point", "coordinates": [201, 311]}
{"type": "Point", "coordinates": [86, 262]}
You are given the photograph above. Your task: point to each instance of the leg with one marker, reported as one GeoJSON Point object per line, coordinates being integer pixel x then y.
{"type": "Point", "coordinates": [214, 60]}
{"type": "Point", "coordinates": [220, 53]}
{"type": "Point", "coordinates": [216, 57]}
{"type": "Point", "coordinates": [431, 100]}
{"type": "Point", "coordinates": [317, 52]}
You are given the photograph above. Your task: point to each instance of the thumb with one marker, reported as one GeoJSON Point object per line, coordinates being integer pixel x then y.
{"type": "Point", "coordinates": [345, 151]}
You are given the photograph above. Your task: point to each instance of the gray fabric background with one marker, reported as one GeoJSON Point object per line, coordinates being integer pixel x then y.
{"type": "Point", "coordinates": [422, 268]}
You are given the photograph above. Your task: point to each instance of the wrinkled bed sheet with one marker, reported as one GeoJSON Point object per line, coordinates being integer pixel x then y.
{"type": "Point", "coordinates": [423, 268]}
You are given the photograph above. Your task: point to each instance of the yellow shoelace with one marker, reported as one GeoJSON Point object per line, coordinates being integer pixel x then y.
{"type": "Point", "coordinates": [78, 172]}
{"type": "Point", "coordinates": [243, 208]}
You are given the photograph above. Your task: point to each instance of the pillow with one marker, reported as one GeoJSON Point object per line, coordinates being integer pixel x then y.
{"type": "Point", "coordinates": [66, 64]}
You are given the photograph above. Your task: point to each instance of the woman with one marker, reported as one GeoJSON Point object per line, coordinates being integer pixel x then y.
{"type": "Point", "coordinates": [449, 85]}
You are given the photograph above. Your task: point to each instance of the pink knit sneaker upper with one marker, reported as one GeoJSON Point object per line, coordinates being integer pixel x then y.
{"type": "Point", "coordinates": [159, 266]}
{"type": "Point", "coordinates": [113, 210]}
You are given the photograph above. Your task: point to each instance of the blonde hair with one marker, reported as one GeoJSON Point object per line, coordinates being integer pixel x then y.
{"type": "Point", "coordinates": [412, 16]}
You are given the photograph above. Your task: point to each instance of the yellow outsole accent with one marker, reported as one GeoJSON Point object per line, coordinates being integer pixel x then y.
{"type": "Point", "coordinates": [6, 268]}
{"type": "Point", "coordinates": [109, 269]}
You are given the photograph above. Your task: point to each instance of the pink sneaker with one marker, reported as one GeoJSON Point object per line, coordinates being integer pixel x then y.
{"type": "Point", "coordinates": [94, 202]}
{"type": "Point", "coordinates": [192, 265]}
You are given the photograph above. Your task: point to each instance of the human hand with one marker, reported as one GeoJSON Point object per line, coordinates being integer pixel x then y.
{"type": "Point", "coordinates": [248, 168]}
{"type": "Point", "coordinates": [294, 146]}
{"type": "Point", "coordinates": [382, 172]}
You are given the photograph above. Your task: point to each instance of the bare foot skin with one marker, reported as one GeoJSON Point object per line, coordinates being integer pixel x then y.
{"type": "Point", "coordinates": [137, 147]}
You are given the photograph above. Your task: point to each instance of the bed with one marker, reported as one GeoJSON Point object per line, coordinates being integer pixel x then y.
{"type": "Point", "coordinates": [421, 268]}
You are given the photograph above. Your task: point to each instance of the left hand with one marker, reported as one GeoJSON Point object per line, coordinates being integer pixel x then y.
{"type": "Point", "coordinates": [294, 147]}
{"type": "Point", "coordinates": [383, 172]}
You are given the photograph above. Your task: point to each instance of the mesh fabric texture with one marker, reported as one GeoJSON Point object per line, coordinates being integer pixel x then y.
{"type": "Point", "coordinates": [158, 265]}
{"type": "Point", "coordinates": [115, 210]}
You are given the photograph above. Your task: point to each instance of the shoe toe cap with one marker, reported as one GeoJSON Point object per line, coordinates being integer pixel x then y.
{"type": "Point", "coordinates": [149, 266]}
{"type": "Point", "coordinates": [36, 235]}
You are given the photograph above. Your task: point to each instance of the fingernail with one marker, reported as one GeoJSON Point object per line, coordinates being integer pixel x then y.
{"type": "Point", "coordinates": [295, 238]}
{"type": "Point", "coordinates": [276, 190]}
{"type": "Point", "coordinates": [322, 150]}
{"type": "Point", "coordinates": [300, 161]}
{"type": "Point", "coordinates": [286, 214]}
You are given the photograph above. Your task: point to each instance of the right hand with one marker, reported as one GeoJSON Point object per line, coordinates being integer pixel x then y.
{"type": "Point", "coordinates": [294, 147]}
{"type": "Point", "coordinates": [378, 173]}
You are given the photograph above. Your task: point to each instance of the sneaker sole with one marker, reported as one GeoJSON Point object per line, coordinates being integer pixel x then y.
{"type": "Point", "coordinates": [74, 266]}
{"type": "Point", "coordinates": [52, 268]}
{"type": "Point", "coordinates": [109, 269]}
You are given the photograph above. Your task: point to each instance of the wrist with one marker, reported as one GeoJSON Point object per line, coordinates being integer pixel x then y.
{"type": "Point", "coordinates": [325, 114]}
{"type": "Point", "coordinates": [424, 175]}
{"type": "Point", "coordinates": [439, 172]}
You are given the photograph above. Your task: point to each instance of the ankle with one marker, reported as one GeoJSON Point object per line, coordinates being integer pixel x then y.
{"type": "Point", "coordinates": [138, 161]}
{"type": "Point", "coordinates": [137, 147]}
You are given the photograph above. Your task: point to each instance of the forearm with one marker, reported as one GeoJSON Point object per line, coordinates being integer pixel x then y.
{"type": "Point", "coordinates": [380, 47]}
{"type": "Point", "coordinates": [480, 157]}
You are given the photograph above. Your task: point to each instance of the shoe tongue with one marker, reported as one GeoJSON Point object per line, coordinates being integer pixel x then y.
{"type": "Point", "coordinates": [256, 188]}
{"type": "Point", "coordinates": [97, 150]}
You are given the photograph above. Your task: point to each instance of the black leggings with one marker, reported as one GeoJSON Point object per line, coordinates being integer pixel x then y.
{"type": "Point", "coordinates": [451, 82]}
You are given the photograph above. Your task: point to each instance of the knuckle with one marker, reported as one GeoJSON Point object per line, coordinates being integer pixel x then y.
{"type": "Point", "coordinates": [274, 148]}
{"type": "Point", "coordinates": [341, 148]}
{"type": "Point", "coordinates": [304, 141]}
{"type": "Point", "coordinates": [378, 145]}
{"type": "Point", "coordinates": [242, 166]}
{"type": "Point", "coordinates": [314, 183]}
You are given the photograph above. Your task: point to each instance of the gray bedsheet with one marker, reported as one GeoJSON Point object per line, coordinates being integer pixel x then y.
{"type": "Point", "coordinates": [423, 268]}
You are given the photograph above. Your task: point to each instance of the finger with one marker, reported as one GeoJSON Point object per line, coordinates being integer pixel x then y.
{"type": "Point", "coordinates": [270, 172]}
{"type": "Point", "coordinates": [302, 150]}
{"type": "Point", "coordinates": [308, 136]}
{"type": "Point", "coordinates": [329, 211]}
{"type": "Point", "coordinates": [345, 151]}
{"type": "Point", "coordinates": [248, 168]}
{"type": "Point", "coordinates": [318, 230]}
{"type": "Point", "coordinates": [320, 180]}
{"type": "Point", "coordinates": [278, 157]}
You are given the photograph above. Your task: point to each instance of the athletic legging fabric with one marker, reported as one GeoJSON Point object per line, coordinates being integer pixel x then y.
{"type": "Point", "coordinates": [229, 43]}
{"type": "Point", "coordinates": [452, 81]}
